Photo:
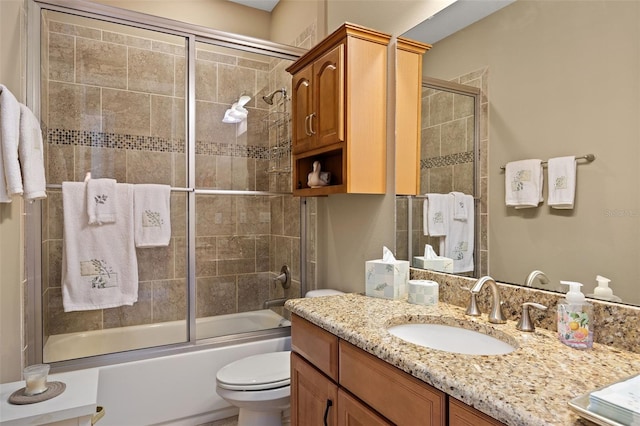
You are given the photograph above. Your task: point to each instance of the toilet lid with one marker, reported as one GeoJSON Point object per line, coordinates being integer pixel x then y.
{"type": "Point", "coordinates": [257, 372]}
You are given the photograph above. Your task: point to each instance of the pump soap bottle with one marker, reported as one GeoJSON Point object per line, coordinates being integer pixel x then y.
{"type": "Point", "coordinates": [575, 318]}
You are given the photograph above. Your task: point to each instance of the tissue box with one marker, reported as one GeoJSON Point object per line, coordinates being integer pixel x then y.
{"type": "Point", "coordinates": [423, 292]}
{"type": "Point", "coordinates": [387, 280]}
{"type": "Point", "coordinates": [440, 264]}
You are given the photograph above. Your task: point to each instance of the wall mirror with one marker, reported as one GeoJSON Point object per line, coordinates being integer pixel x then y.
{"type": "Point", "coordinates": [557, 88]}
{"type": "Point", "coordinates": [450, 135]}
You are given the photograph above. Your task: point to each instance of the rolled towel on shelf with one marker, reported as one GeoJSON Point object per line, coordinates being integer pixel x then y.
{"type": "Point", "coordinates": [562, 182]}
{"type": "Point", "coordinates": [523, 183]}
{"type": "Point", "coordinates": [152, 212]}
{"type": "Point", "coordinates": [101, 201]}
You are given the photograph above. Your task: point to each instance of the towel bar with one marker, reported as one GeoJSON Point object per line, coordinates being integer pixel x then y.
{"type": "Point", "coordinates": [588, 157]}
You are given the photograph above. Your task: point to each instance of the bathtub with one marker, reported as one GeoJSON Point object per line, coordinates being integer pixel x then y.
{"type": "Point", "coordinates": [66, 346]}
{"type": "Point", "coordinates": [178, 389]}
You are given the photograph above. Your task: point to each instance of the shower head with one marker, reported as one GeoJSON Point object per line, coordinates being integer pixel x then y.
{"type": "Point", "coordinates": [269, 98]}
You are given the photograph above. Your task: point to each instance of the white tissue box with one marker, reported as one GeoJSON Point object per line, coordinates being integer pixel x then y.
{"type": "Point", "coordinates": [441, 264]}
{"type": "Point", "coordinates": [423, 292]}
{"type": "Point", "coordinates": [386, 280]}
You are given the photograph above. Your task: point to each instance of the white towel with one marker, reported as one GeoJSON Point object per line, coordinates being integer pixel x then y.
{"type": "Point", "coordinates": [101, 201]}
{"type": "Point", "coordinates": [10, 175]}
{"type": "Point", "coordinates": [562, 182]}
{"type": "Point", "coordinates": [523, 183]}
{"type": "Point", "coordinates": [459, 206]}
{"type": "Point", "coordinates": [152, 212]}
{"type": "Point", "coordinates": [31, 155]}
{"type": "Point", "coordinates": [459, 242]}
{"type": "Point", "coordinates": [436, 214]}
{"type": "Point", "coordinates": [99, 264]}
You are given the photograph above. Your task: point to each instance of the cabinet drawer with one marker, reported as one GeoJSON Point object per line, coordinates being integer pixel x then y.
{"type": "Point", "coordinates": [460, 414]}
{"type": "Point", "coordinates": [352, 412]}
{"type": "Point", "coordinates": [396, 395]}
{"type": "Point", "coordinates": [318, 346]}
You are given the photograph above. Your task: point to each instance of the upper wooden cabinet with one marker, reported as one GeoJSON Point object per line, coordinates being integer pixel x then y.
{"type": "Point", "coordinates": [408, 114]}
{"type": "Point", "coordinates": [340, 112]}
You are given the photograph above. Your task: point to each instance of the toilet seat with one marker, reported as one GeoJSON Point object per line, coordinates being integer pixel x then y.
{"type": "Point", "coordinates": [257, 372]}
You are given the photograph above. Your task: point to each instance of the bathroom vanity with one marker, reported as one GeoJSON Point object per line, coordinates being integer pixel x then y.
{"type": "Point", "coordinates": [348, 367]}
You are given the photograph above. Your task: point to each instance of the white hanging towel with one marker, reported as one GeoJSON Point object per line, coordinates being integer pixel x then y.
{"type": "Point", "coordinates": [10, 175]}
{"type": "Point", "coordinates": [459, 242]}
{"type": "Point", "coordinates": [436, 213]}
{"type": "Point", "coordinates": [152, 212]}
{"type": "Point", "coordinates": [459, 206]}
{"type": "Point", "coordinates": [31, 154]}
{"type": "Point", "coordinates": [523, 183]}
{"type": "Point", "coordinates": [101, 201]}
{"type": "Point", "coordinates": [99, 264]}
{"type": "Point", "coordinates": [562, 182]}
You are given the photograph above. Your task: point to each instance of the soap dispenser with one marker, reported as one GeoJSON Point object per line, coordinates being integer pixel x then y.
{"type": "Point", "coordinates": [575, 318]}
{"type": "Point", "coordinates": [603, 290]}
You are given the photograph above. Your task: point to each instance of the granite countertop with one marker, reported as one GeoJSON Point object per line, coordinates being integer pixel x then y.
{"type": "Point", "coordinates": [530, 385]}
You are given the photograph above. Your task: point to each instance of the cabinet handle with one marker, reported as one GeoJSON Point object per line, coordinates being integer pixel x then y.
{"type": "Point", "coordinates": [331, 67]}
{"type": "Point", "coordinates": [326, 411]}
{"type": "Point", "coordinates": [306, 125]}
{"type": "Point", "coordinates": [311, 124]}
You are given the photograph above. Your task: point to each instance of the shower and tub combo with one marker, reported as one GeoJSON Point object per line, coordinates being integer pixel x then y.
{"type": "Point", "coordinates": [142, 103]}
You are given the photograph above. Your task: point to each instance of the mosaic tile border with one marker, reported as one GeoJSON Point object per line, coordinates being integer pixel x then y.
{"type": "Point", "coordinates": [447, 160]}
{"type": "Point", "coordinates": [159, 144]}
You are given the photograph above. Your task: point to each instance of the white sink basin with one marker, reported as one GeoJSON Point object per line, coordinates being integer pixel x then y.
{"type": "Point", "coordinates": [451, 339]}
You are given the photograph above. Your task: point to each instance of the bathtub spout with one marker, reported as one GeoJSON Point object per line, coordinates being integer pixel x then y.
{"type": "Point", "coordinates": [273, 302]}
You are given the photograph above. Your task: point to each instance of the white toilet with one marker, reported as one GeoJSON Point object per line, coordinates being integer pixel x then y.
{"type": "Point", "coordinates": [259, 385]}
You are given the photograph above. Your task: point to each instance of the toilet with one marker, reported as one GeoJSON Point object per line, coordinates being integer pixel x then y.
{"type": "Point", "coordinates": [259, 385]}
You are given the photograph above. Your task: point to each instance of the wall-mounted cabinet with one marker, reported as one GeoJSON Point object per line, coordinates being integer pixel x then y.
{"type": "Point", "coordinates": [408, 114]}
{"type": "Point", "coordinates": [339, 104]}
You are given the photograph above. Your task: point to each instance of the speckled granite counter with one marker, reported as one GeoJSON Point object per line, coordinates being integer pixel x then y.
{"type": "Point", "coordinates": [529, 386]}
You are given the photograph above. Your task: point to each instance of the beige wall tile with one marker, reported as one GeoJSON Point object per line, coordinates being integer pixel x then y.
{"type": "Point", "coordinates": [167, 117]}
{"type": "Point", "coordinates": [101, 64]}
{"type": "Point", "coordinates": [463, 178]}
{"type": "Point", "coordinates": [210, 126]}
{"type": "Point", "coordinates": [125, 113]}
{"type": "Point", "coordinates": [215, 215]}
{"type": "Point", "coordinates": [60, 166]}
{"type": "Point", "coordinates": [463, 106]}
{"type": "Point", "coordinates": [253, 290]}
{"type": "Point", "coordinates": [68, 322]}
{"type": "Point", "coordinates": [215, 296]}
{"type": "Point", "coordinates": [138, 313]}
{"type": "Point", "coordinates": [101, 162]}
{"type": "Point", "coordinates": [441, 179]}
{"type": "Point", "coordinates": [216, 57]}
{"type": "Point", "coordinates": [243, 171]}
{"type": "Point", "coordinates": [76, 30]}
{"type": "Point", "coordinates": [234, 82]}
{"type": "Point", "coordinates": [74, 107]}
{"type": "Point", "coordinates": [151, 72]}
{"type": "Point", "coordinates": [441, 108]}
{"type": "Point", "coordinates": [206, 81]}
{"type": "Point", "coordinates": [170, 300]}
{"type": "Point", "coordinates": [454, 137]}
{"type": "Point", "coordinates": [206, 257]}
{"type": "Point", "coordinates": [430, 142]}
{"type": "Point", "coordinates": [61, 57]}
{"type": "Point", "coordinates": [149, 167]}
{"type": "Point", "coordinates": [253, 215]}
{"type": "Point", "coordinates": [54, 216]}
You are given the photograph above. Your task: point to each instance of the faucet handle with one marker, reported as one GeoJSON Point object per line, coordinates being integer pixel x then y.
{"type": "Point", "coordinates": [472, 309]}
{"type": "Point", "coordinates": [525, 323]}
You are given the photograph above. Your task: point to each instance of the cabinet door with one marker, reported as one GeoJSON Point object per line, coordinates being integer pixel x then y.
{"type": "Point", "coordinates": [314, 397]}
{"type": "Point", "coordinates": [461, 414]}
{"type": "Point", "coordinates": [327, 121]}
{"type": "Point", "coordinates": [352, 412]}
{"type": "Point", "coordinates": [302, 104]}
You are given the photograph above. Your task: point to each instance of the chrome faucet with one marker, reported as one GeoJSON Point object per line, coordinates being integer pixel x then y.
{"type": "Point", "coordinates": [496, 316]}
{"type": "Point", "coordinates": [273, 302]}
{"type": "Point", "coordinates": [536, 274]}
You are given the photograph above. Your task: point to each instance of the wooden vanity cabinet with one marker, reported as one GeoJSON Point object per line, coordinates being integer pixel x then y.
{"type": "Point", "coordinates": [339, 112]}
{"type": "Point", "coordinates": [335, 383]}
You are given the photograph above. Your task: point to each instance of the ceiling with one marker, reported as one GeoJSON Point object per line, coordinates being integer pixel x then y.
{"type": "Point", "coordinates": [453, 18]}
{"type": "Point", "coordinates": [266, 5]}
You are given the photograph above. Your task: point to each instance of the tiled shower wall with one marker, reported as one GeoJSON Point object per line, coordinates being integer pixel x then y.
{"type": "Point", "coordinates": [113, 105]}
{"type": "Point", "coordinates": [446, 161]}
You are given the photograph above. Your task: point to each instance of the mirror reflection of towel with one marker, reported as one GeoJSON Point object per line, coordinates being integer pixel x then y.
{"type": "Point", "coordinates": [562, 182]}
{"type": "Point", "coordinates": [459, 242]}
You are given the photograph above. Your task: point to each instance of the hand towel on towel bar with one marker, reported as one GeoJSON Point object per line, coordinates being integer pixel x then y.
{"type": "Point", "coordinates": [99, 264]}
{"type": "Point", "coordinates": [562, 182]}
{"type": "Point", "coordinates": [152, 212]}
{"type": "Point", "coordinates": [101, 201]}
{"type": "Point", "coordinates": [10, 174]}
{"type": "Point", "coordinates": [523, 183]}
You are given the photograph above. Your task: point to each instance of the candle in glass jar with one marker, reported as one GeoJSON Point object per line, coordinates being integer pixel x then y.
{"type": "Point", "coordinates": [35, 377]}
